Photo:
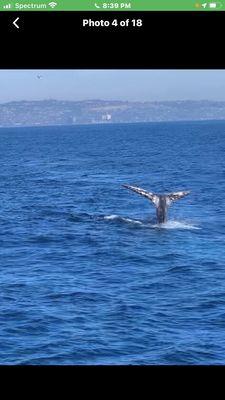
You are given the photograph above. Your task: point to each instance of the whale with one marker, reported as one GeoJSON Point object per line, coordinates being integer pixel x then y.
{"type": "Point", "coordinates": [160, 201]}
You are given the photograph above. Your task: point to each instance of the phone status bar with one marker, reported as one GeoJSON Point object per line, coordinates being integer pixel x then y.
{"type": "Point", "coordinates": [133, 5]}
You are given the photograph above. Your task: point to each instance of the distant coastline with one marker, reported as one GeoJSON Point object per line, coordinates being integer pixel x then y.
{"type": "Point", "coordinates": [91, 112]}
{"type": "Point", "coordinates": [111, 124]}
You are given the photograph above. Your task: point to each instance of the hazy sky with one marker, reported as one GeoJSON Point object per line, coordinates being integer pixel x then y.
{"type": "Point", "coordinates": [132, 85]}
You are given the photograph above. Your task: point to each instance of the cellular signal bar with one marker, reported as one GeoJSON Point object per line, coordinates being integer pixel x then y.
{"type": "Point", "coordinates": [97, 5]}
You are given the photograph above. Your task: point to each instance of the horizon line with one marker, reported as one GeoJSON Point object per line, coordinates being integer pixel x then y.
{"type": "Point", "coordinates": [113, 123]}
{"type": "Point", "coordinates": [112, 100]}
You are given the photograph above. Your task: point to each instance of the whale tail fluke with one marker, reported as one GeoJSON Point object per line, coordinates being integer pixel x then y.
{"type": "Point", "coordinates": [155, 197]}
{"type": "Point", "coordinates": [161, 201]}
{"type": "Point", "coordinates": [149, 195]}
{"type": "Point", "coordinates": [177, 195]}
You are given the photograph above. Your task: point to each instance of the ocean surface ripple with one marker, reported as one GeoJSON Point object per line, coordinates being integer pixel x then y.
{"type": "Point", "coordinates": [87, 275]}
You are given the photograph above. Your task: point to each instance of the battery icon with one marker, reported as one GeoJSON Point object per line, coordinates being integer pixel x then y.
{"type": "Point", "coordinates": [215, 5]}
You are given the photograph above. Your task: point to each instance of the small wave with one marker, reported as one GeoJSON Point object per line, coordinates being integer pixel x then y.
{"type": "Point", "coordinates": [80, 217]}
{"type": "Point", "coordinates": [122, 219]}
{"type": "Point", "coordinates": [181, 268]}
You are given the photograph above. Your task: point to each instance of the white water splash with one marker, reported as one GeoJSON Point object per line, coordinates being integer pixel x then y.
{"type": "Point", "coordinates": [111, 217]}
{"type": "Point", "coordinates": [175, 225]}
{"type": "Point", "coordinates": [167, 225]}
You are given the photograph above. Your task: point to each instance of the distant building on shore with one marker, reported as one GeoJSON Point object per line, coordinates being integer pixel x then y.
{"type": "Point", "coordinates": [106, 117]}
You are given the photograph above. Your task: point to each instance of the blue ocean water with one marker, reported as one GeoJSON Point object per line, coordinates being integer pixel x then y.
{"type": "Point", "coordinates": [87, 275]}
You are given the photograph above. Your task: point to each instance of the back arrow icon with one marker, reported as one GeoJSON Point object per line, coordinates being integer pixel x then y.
{"type": "Point", "coordinates": [15, 23]}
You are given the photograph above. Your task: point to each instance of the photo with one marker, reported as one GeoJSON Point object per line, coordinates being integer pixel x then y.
{"type": "Point", "coordinates": [112, 224]}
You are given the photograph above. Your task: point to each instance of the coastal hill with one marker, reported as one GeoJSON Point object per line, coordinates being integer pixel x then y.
{"type": "Point", "coordinates": [57, 112]}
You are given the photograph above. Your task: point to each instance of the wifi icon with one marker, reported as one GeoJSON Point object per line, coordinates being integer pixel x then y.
{"type": "Point", "coordinates": [52, 4]}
